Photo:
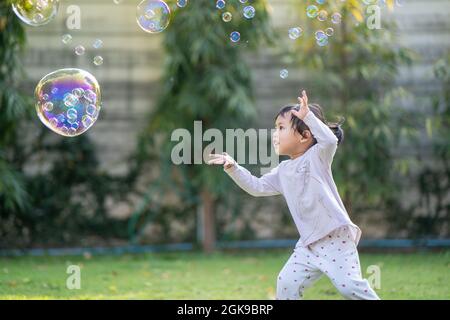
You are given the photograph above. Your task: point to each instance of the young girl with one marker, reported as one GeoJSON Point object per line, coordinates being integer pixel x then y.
{"type": "Point", "coordinates": [328, 238]}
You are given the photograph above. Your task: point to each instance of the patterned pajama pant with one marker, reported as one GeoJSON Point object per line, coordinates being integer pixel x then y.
{"type": "Point", "coordinates": [335, 256]}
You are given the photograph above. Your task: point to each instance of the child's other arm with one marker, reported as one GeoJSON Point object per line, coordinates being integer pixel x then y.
{"type": "Point", "coordinates": [266, 185]}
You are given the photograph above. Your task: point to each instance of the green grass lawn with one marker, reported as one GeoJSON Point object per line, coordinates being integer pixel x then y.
{"type": "Point", "coordinates": [242, 275]}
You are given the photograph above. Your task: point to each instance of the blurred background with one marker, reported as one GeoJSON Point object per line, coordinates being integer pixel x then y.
{"type": "Point", "coordinates": [115, 185]}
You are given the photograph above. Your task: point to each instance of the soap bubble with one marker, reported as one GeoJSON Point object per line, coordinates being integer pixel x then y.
{"type": "Point", "coordinates": [284, 74]}
{"type": "Point", "coordinates": [97, 44]}
{"type": "Point", "coordinates": [320, 34]}
{"type": "Point", "coordinates": [66, 39]}
{"type": "Point", "coordinates": [295, 33]}
{"type": "Point", "coordinates": [35, 12]}
{"type": "Point", "coordinates": [329, 31]}
{"type": "Point", "coordinates": [70, 100]}
{"type": "Point", "coordinates": [98, 60]}
{"type": "Point", "coordinates": [220, 4]}
{"type": "Point", "coordinates": [182, 3]}
{"type": "Point", "coordinates": [312, 11]}
{"type": "Point", "coordinates": [320, 1]}
{"type": "Point", "coordinates": [153, 16]}
{"type": "Point", "coordinates": [322, 15]}
{"type": "Point", "coordinates": [79, 50]}
{"type": "Point", "coordinates": [73, 104]}
{"type": "Point", "coordinates": [227, 16]}
{"type": "Point", "coordinates": [117, 1]}
{"type": "Point", "coordinates": [321, 38]}
{"type": "Point", "coordinates": [235, 36]}
{"type": "Point", "coordinates": [336, 18]}
{"type": "Point", "coordinates": [249, 12]}
{"type": "Point", "coordinates": [243, 1]}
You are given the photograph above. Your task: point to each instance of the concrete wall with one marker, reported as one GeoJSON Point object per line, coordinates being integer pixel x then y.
{"type": "Point", "coordinates": [133, 63]}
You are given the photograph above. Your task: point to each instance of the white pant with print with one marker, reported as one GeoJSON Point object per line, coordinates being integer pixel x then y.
{"type": "Point", "coordinates": [335, 256]}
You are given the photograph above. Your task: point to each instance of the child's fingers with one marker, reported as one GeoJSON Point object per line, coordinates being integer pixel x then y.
{"type": "Point", "coordinates": [215, 155]}
{"type": "Point", "coordinates": [301, 102]}
{"type": "Point", "coordinates": [305, 97]}
{"type": "Point", "coordinates": [295, 113]}
{"type": "Point", "coordinates": [216, 161]}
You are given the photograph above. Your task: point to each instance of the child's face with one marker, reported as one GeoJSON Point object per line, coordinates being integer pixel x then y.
{"type": "Point", "coordinates": [286, 140]}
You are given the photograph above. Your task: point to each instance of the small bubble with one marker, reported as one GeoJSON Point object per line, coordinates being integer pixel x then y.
{"type": "Point", "coordinates": [249, 12]}
{"type": "Point", "coordinates": [322, 15]}
{"type": "Point", "coordinates": [284, 73]}
{"type": "Point", "coordinates": [235, 36]}
{"type": "Point", "coordinates": [79, 50]}
{"type": "Point", "coordinates": [78, 92]}
{"type": "Point", "coordinates": [38, 18]}
{"type": "Point", "coordinates": [227, 16]}
{"type": "Point", "coordinates": [97, 44]}
{"type": "Point", "coordinates": [312, 11]}
{"type": "Point", "coordinates": [336, 18]}
{"type": "Point", "coordinates": [182, 3]}
{"type": "Point", "coordinates": [295, 33]}
{"type": "Point", "coordinates": [98, 60]}
{"type": "Point", "coordinates": [149, 14]}
{"type": "Point", "coordinates": [220, 4]}
{"type": "Point", "coordinates": [329, 31]}
{"type": "Point", "coordinates": [48, 106]}
{"type": "Point", "coordinates": [66, 39]}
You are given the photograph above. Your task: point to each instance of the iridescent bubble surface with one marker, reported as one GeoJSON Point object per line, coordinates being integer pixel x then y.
{"type": "Point", "coordinates": [235, 36]}
{"type": "Point", "coordinates": [68, 101]}
{"type": "Point", "coordinates": [153, 16]}
{"type": "Point", "coordinates": [295, 33]}
{"type": "Point", "coordinates": [35, 12]}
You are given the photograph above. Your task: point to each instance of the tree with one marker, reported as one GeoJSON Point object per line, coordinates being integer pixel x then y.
{"type": "Point", "coordinates": [64, 201]}
{"type": "Point", "coordinates": [428, 215]}
{"type": "Point", "coordinates": [205, 79]}
{"type": "Point", "coordinates": [14, 107]}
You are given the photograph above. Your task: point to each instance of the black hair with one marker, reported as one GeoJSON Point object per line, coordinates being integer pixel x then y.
{"type": "Point", "coordinates": [301, 126]}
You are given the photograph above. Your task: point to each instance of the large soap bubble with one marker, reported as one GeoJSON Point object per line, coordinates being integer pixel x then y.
{"type": "Point", "coordinates": [35, 12]}
{"type": "Point", "coordinates": [68, 101]}
{"type": "Point", "coordinates": [153, 16]}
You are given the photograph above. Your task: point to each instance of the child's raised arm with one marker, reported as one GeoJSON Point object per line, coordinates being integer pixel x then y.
{"type": "Point", "coordinates": [326, 140]}
{"type": "Point", "coordinates": [266, 185]}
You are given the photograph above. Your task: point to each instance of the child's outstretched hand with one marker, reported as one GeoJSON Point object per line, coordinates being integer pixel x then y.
{"type": "Point", "coordinates": [224, 159]}
{"type": "Point", "coordinates": [304, 109]}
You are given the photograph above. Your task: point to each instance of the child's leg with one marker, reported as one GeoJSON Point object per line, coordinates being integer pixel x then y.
{"type": "Point", "coordinates": [299, 273]}
{"type": "Point", "coordinates": [340, 262]}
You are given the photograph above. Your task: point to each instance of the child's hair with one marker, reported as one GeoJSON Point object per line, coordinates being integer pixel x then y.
{"type": "Point", "coordinates": [301, 126]}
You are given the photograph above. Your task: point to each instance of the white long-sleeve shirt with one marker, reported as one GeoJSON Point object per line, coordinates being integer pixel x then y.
{"type": "Point", "coordinates": [307, 185]}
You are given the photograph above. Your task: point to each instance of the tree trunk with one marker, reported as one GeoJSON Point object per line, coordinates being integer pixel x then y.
{"type": "Point", "coordinates": [207, 225]}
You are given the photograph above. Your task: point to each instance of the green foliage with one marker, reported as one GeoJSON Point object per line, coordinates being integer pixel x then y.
{"type": "Point", "coordinates": [205, 79]}
{"type": "Point", "coordinates": [61, 198]}
{"type": "Point", "coordinates": [13, 108]}
{"type": "Point", "coordinates": [429, 214]}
